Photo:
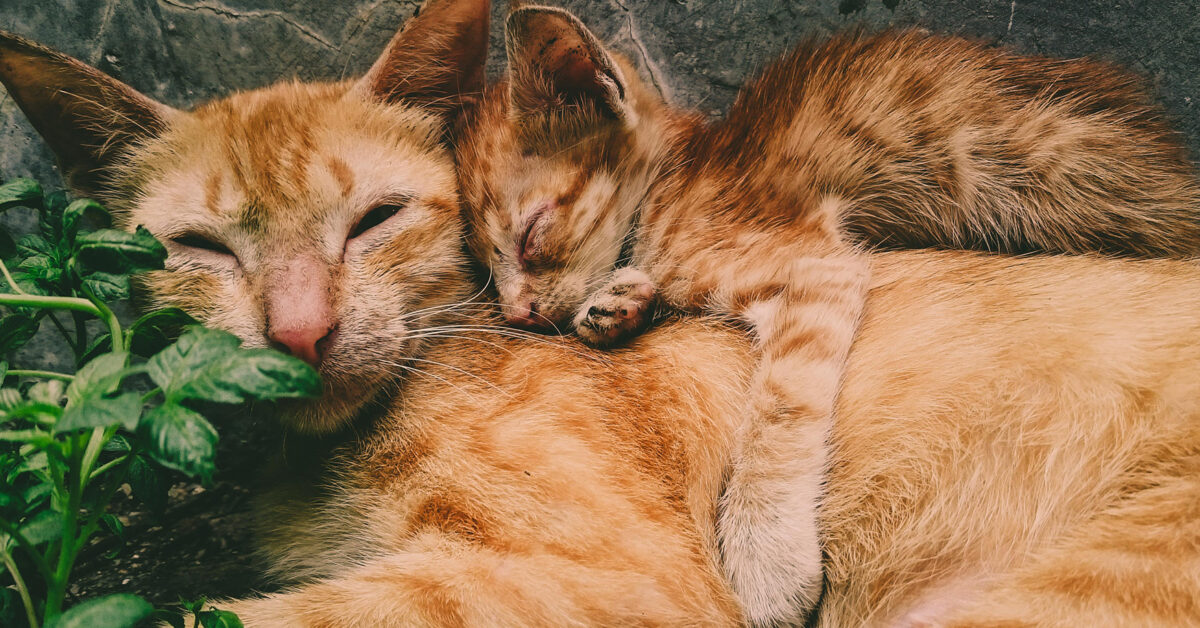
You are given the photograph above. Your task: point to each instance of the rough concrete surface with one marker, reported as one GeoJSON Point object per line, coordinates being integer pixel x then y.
{"type": "Point", "coordinates": [697, 51]}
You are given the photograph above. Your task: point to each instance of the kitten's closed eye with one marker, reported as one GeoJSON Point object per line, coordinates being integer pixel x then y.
{"type": "Point", "coordinates": [527, 248]}
{"type": "Point", "coordinates": [377, 216]}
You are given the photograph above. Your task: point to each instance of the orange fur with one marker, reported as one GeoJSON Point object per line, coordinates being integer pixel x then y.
{"type": "Point", "coordinates": [1014, 436]}
{"type": "Point", "coordinates": [616, 203]}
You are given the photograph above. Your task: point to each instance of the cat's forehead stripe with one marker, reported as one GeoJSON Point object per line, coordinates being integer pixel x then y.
{"type": "Point", "coordinates": [342, 173]}
{"type": "Point", "coordinates": [212, 193]}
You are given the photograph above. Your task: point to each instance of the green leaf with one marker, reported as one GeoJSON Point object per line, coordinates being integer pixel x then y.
{"type": "Point", "coordinates": [206, 364]}
{"type": "Point", "coordinates": [36, 493]}
{"type": "Point", "coordinates": [219, 619]}
{"type": "Point", "coordinates": [101, 344]}
{"type": "Point", "coordinates": [173, 618]}
{"type": "Point", "coordinates": [193, 606]}
{"type": "Point", "coordinates": [107, 286]}
{"type": "Point", "coordinates": [15, 331]}
{"type": "Point", "coordinates": [33, 244]}
{"type": "Point", "coordinates": [37, 411]}
{"type": "Point", "coordinates": [12, 612]}
{"type": "Point", "coordinates": [113, 251]}
{"type": "Point", "coordinates": [254, 374]}
{"type": "Point", "coordinates": [20, 193]}
{"type": "Point", "coordinates": [96, 411]}
{"type": "Point", "coordinates": [154, 331]}
{"type": "Point", "coordinates": [75, 212]}
{"type": "Point", "coordinates": [120, 610]}
{"type": "Point", "coordinates": [43, 270]}
{"type": "Point", "coordinates": [42, 528]}
{"type": "Point", "coordinates": [37, 437]}
{"type": "Point", "coordinates": [8, 247]}
{"type": "Point", "coordinates": [97, 377]}
{"type": "Point", "coordinates": [10, 398]}
{"type": "Point", "coordinates": [3, 370]}
{"type": "Point", "coordinates": [113, 524]}
{"type": "Point", "coordinates": [148, 483]}
{"type": "Point", "coordinates": [181, 439]}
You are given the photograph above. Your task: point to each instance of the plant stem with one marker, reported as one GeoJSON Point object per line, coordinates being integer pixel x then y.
{"type": "Point", "coordinates": [38, 561]}
{"type": "Point", "coordinates": [75, 348]}
{"type": "Point", "coordinates": [58, 303]}
{"type": "Point", "coordinates": [107, 315]}
{"type": "Point", "coordinates": [26, 601]}
{"type": "Point", "coordinates": [108, 465]}
{"type": "Point", "coordinates": [95, 443]}
{"type": "Point", "coordinates": [42, 374]}
{"type": "Point", "coordinates": [9, 278]}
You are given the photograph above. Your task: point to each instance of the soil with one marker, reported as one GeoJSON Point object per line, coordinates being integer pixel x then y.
{"type": "Point", "coordinates": [201, 544]}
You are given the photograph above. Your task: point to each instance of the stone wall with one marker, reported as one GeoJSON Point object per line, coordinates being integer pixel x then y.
{"type": "Point", "coordinates": [697, 51]}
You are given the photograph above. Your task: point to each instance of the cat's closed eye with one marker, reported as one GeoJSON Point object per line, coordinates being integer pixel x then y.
{"type": "Point", "coordinates": [377, 216]}
{"type": "Point", "coordinates": [197, 242]}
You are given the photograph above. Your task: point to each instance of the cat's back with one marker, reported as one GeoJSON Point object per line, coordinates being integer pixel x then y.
{"type": "Point", "coordinates": [1018, 422]}
{"type": "Point", "coordinates": [933, 140]}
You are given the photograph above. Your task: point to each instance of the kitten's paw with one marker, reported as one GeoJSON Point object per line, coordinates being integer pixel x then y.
{"type": "Point", "coordinates": [771, 556]}
{"type": "Point", "coordinates": [617, 310]}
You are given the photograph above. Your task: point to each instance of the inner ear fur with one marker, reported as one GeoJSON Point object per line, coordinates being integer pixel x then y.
{"type": "Point", "coordinates": [437, 60]}
{"type": "Point", "coordinates": [556, 62]}
{"type": "Point", "coordinates": [88, 118]}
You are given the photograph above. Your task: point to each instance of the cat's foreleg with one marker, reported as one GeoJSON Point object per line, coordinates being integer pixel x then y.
{"type": "Point", "coordinates": [446, 581]}
{"type": "Point", "coordinates": [620, 308]}
{"type": "Point", "coordinates": [768, 520]}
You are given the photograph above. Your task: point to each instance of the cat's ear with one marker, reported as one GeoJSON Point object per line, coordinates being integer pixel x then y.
{"type": "Point", "coordinates": [555, 61]}
{"type": "Point", "coordinates": [436, 60]}
{"type": "Point", "coordinates": [88, 118]}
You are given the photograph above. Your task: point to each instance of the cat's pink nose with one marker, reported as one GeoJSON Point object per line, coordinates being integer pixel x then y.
{"type": "Point", "coordinates": [524, 315]}
{"type": "Point", "coordinates": [307, 343]}
{"type": "Point", "coordinates": [301, 319]}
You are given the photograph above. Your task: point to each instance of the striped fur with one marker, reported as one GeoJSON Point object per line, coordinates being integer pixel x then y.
{"type": "Point", "coordinates": [1016, 439]}
{"type": "Point", "coordinates": [592, 203]}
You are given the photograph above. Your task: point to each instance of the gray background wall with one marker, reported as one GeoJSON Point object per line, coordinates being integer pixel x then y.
{"type": "Point", "coordinates": [698, 51]}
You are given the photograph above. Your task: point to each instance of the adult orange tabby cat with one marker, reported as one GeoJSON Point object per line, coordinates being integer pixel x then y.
{"type": "Point", "coordinates": [1004, 425]}
{"type": "Point", "coordinates": [590, 199]}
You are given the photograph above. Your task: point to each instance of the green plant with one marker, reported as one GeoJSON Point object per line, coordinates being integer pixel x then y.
{"type": "Point", "coordinates": [69, 441]}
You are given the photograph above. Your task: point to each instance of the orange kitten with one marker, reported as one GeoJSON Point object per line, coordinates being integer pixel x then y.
{"type": "Point", "coordinates": [592, 202]}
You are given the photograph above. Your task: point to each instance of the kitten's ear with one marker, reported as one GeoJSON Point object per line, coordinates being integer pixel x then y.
{"type": "Point", "coordinates": [436, 60]}
{"type": "Point", "coordinates": [555, 61]}
{"type": "Point", "coordinates": [88, 118]}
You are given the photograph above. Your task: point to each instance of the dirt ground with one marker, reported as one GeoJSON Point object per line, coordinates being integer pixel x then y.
{"type": "Point", "coordinates": [200, 545]}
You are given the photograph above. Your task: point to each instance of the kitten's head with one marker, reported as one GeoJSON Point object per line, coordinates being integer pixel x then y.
{"type": "Point", "coordinates": [321, 219]}
{"type": "Point", "coordinates": [554, 165]}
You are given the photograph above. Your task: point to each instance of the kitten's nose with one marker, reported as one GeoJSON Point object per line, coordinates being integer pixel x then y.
{"type": "Point", "coordinates": [525, 315]}
{"type": "Point", "coordinates": [307, 343]}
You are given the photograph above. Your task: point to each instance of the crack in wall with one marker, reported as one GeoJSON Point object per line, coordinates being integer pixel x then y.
{"type": "Point", "coordinates": [651, 67]}
{"type": "Point", "coordinates": [233, 14]}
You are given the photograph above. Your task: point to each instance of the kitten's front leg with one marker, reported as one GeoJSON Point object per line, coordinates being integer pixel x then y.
{"type": "Point", "coordinates": [768, 525]}
{"type": "Point", "coordinates": [619, 309]}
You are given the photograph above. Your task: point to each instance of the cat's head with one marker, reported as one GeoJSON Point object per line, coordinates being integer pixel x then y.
{"type": "Point", "coordinates": [322, 219]}
{"type": "Point", "coordinates": [555, 164]}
